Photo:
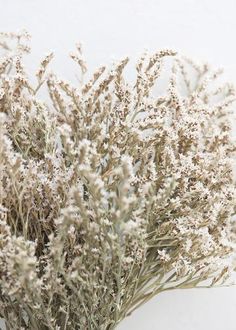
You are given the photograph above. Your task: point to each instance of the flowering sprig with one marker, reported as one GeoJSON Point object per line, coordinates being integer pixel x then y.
{"type": "Point", "coordinates": [110, 194]}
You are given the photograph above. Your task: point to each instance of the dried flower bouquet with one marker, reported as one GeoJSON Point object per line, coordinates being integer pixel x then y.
{"type": "Point", "coordinates": [110, 194]}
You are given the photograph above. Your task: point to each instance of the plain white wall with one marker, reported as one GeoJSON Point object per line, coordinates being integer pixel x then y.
{"type": "Point", "coordinates": [110, 29]}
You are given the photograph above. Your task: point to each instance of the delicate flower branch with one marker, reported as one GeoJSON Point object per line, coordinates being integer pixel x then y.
{"type": "Point", "coordinates": [110, 194]}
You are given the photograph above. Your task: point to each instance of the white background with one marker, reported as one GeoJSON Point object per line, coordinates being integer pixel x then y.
{"type": "Point", "coordinates": [110, 29]}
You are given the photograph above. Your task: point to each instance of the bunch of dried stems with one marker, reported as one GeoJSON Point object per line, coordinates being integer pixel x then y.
{"type": "Point", "coordinates": [110, 194]}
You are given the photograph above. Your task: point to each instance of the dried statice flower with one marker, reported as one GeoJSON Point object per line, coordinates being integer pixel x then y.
{"type": "Point", "coordinates": [109, 194]}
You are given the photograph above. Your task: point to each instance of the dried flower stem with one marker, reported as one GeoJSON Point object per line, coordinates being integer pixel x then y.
{"type": "Point", "coordinates": [109, 194]}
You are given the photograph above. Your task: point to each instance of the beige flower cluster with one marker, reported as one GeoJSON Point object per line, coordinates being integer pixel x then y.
{"type": "Point", "coordinates": [110, 194]}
